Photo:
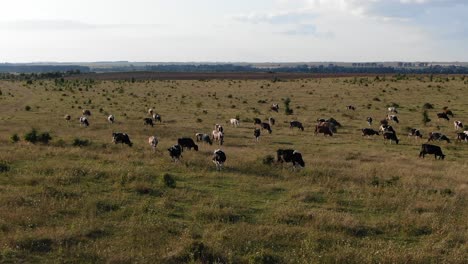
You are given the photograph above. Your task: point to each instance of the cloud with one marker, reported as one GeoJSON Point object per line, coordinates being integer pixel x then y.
{"type": "Point", "coordinates": [53, 25]}
{"type": "Point", "coordinates": [284, 17]}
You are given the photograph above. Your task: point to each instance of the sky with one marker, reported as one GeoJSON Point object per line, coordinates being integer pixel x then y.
{"type": "Point", "coordinates": [233, 31]}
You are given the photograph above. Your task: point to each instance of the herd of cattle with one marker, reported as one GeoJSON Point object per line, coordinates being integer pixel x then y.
{"type": "Point", "coordinates": [323, 126]}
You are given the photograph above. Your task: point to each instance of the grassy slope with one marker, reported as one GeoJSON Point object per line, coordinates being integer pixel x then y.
{"type": "Point", "coordinates": [357, 199]}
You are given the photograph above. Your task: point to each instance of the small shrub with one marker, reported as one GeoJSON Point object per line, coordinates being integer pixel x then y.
{"type": "Point", "coordinates": [44, 138]}
{"type": "Point", "coordinates": [268, 160]}
{"type": "Point", "coordinates": [31, 136]}
{"type": "Point", "coordinates": [4, 167]}
{"type": "Point", "coordinates": [169, 180]}
{"type": "Point", "coordinates": [426, 118]}
{"type": "Point", "coordinates": [427, 106]}
{"type": "Point", "coordinates": [14, 138]}
{"type": "Point", "coordinates": [27, 108]}
{"type": "Point", "coordinates": [199, 120]}
{"type": "Point", "coordinates": [80, 142]}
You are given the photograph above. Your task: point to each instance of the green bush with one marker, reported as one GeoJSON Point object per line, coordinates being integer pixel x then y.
{"type": "Point", "coordinates": [33, 137]}
{"type": "Point", "coordinates": [4, 167]}
{"type": "Point", "coordinates": [14, 138]}
{"type": "Point", "coordinates": [27, 108]}
{"type": "Point", "coordinates": [169, 180]}
{"type": "Point", "coordinates": [268, 160]}
{"type": "Point", "coordinates": [80, 142]}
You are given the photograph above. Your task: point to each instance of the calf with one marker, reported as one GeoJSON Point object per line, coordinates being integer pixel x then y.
{"type": "Point", "coordinates": [390, 136]}
{"type": "Point", "coordinates": [121, 138]}
{"type": "Point", "coordinates": [257, 133]}
{"type": "Point", "coordinates": [218, 136]}
{"type": "Point", "coordinates": [369, 132]}
{"type": "Point", "coordinates": [458, 125]}
{"type": "Point", "coordinates": [187, 143]}
{"type": "Point", "coordinates": [415, 133]}
{"type": "Point", "coordinates": [271, 121]}
{"type": "Point", "coordinates": [274, 107]}
{"type": "Point", "coordinates": [443, 116]}
{"type": "Point", "coordinates": [433, 136]}
{"type": "Point", "coordinates": [369, 121]}
{"type": "Point", "coordinates": [290, 155]}
{"type": "Point", "coordinates": [157, 118]}
{"type": "Point", "coordinates": [257, 121]}
{"type": "Point", "coordinates": [431, 149]}
{"type": "Point", "coordinates": [148, 122]}
{"type": "Point", "coordinates": [153, 141]}
{"type": "Point", "coordinates": [219, 157]}
{"type": "Point", "coordinates": [111, 119]}
{"type": "Point", "coordinates": [393, 118]}
{"type": "Point", "coordinates": [84, 121]}
{"type": "Point", "coordinates": [462, 137]}
{"type": "Point", "coordinates": [234, 122]}
{"type": "Point", "coordinates": [296, 124]}
{"type": "Point", "coordinates": [203, 138]}
{"type": "Point", "coordinates": [266, 126]}
{"type": "Point", "coordinates": [175, 152]}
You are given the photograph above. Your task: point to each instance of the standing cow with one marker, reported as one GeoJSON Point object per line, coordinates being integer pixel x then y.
{"type": "Point", "coordinates": [153, 141]}
{"type": "Point", "coordinates": [296, 124]}
{"type": "Point", "coordinates": [121, 138]}
{"type": "Point", "coordinates": [219, 157]}
{"type": "Point", "coordinates": [431, 149]}
{"type": "Point", "coordinates": [290, 155]}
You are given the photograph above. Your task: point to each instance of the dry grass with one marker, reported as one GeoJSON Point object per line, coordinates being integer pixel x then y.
{"type": "Point", "coordinates": [357, 200]}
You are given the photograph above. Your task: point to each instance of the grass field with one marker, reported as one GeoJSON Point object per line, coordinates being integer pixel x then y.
{"type": "Point", "coordinates": [358, 200]}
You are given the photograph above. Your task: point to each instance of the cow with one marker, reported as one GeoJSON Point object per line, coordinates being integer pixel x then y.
{"type": "Point", "coordinates": [67, 117]}
{"type": "Point", "coordinates": [391, 137]}
{"type": "Point", "coordinates": [86, 113]}
{"type": "Point", "coordinates": [157, 118]}
{"type": "Point", "coordinates": [369, 120]}
{"type": "Point", "coordinates": [350, 107]}
{"type": "Point", "coordinates": [257, 121]}
{"type": "Point", "coordinates": [433, 136]}
{"type": "Point", "coordinates": [384, 122]}
{"type": "Point", "coordinates": [84, 121]}
{"type": "Point", "coordinates": [394, 118]}
{"type": "Point", "coordinates": [153, 141]}
{"type": "Point", "coordinates": [234, 122]}
{"type": "Point", "coordinates": [290, 155]}
{"type": "Point", "coordinates": [175, 152]}
{"type": "Point", "coordinates": [413, 132]}
{"type": "Point", "coordinates": [296, 124]}
{"type": "Point", "coordinates": [333, 121]}
{"type": "Point", "coordinates": [203, 138]}
{"type": "Point", "coordinates": [219, 128]}
{"type": "Point", "coordinates": [326, 130]}
{"type": "Point", "coordinates": [431, 149]}
{"type": "Point", "coordinates": [257, 133]}
{"type": "Point", "coordinates": [148, 122]}
{"type": "Point", "coordinates": [218, 136]}
{"type": "Point", "coordinates": [387, 128]}
{"type": "Point", "coordinates": [458, 125]}
{"type": "Point", "coordinates": [443, 116]}
{"type": "Point", "coordinates": [111, 119]}
{"type": "Point", "coordinates": [219, 157]}
{"type": "Point", "coordinates": [369, 132]}
{"type": "Point", "coordinates": [449, 112]}
{"type": "Point", "coordinates": [150, 111]}
{"type": "Point", "coordinates": [393, 110]}
{"type": "Point", "coordinates": [274, 107]}
{"type": "Point", "coordinates": [331, 126]}
{"type": "Point", "coordinates": [187, 143]}
{"type": "Point", "coordinates": [121, 138]}
{"type": "Point", "coordinates": [462, 137]}
{"type": "Point", "coordinates": [271, 121]}
{"type": "Point", "coordinates": [266, 126]}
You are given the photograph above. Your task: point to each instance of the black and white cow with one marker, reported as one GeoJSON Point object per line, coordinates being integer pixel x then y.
{"type": "Point", "coordinates": [462, 137]}
{"type": "Point", "coordinates": [369, 120]}
{"type": "Point", "coordinates": [121, 138]}
{"type": "Point", "coordinates": [296, 124]}
{"type": "Point", "coordinates": [203, 138]}
{"type": "Point", "coordinates": [266, 126]}
{"type": "Point", "coordinates": [153, 141]}
{"type": "Point", "coordinates": [86, 113]}
{"type": "Point", "coordinates": [175, 152]}
{"type": "Point", "coordinates": [431, 149]}
{"type": "Point", "coordinates": [67, 117]}
{"type": "Point", "coordinates": [187, 143]}
{"type": "Point", "coordinates": [413, 132]}
{"type": "Point", "coordinates": [84, 121]}
{"type": "Point", "coordinates": [458, 125]}
{"type": "Point", "coordinates": [369, 132]}
{"type": "Point", "coordinates": [274, 107]}
{"type": "Point", "coordinates": [157, 118]}
{"type": "Point", "coordinates": [387, 128]}
{"type": "Point", "coordinates": [443, 116]}
{"type": "Point", "coordinates": [351, 107]}
{"type": "Point", "coordinates": [111, 119]}
{"type": "Point", "coordinates": [150, 111]}
{"type": "Point", "coordinates": [290, 155]}
{"type": "Point", "coordinates": [257, 133]}
{"type": "Point", "coordinates": [271, 121]}
{"type": "Point", "coordinates": [148, 121]}
{"type": "Point", "coordinates": [393, 110]}
{"type": "Point", "coordinates": [393, 118]}
{"type": "Point", "coordinates": [436, 136]}
{"type": "Point", "coordinates": [390, 136]}
{"type": "Point", "coordinates": [219, 128]}
{"type": "Point", "coordinates": [257, 121]}
{"type": "Point", "coordinates": [219, 157]}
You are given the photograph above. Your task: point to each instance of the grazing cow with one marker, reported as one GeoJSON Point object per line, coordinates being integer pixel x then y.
{"type": "Point", "coordinates": [187, 143]}
{"type": "Point", "coordinates": [462, 137]}
{"type": "Point", "coordinates": [326, 130]}
{"type": "Point", "coordinates": [150, 111]}
{"type": "Point", "coordinates": [296, 124]}
{"type": "Point", "coordinates": [433, 136]}
{"type": "Point", "coordinates": [274, 107]}
{"type": "Point", "coordinates": [153, 141]}
{"type": "Point", "coordinates": [257, 133]}
{"type": "Point", "coordinates": [369, 121]}
{"type": "Point", "coordinates": [157, 117]}
{"type": "Point", "coordinates": [392, 110]}
{"type": "Point", "coordinates": [391, 137]}
{"type": "Point", "coordinates": [266, 126]}
{"type": "Point", "coordinates": [415, 133]}
{"type": "Point", "coordinates": [449, 112]}
{"type": "Point", "coordinates": [431, 149]}
{"type": "Point", "coordinates": [218, 136]}
{"type": "Point", "coordinates": [458, 125]}
{"type": "Point", "coordinates": [290, 155]}
{"type": "Point", "coordinates": [443, 116]}
{"type": "Point", "coordinates": [121, 138]}
{"type": "Point", "coordinates": [350, 107]}
{"type": "Point", "coordinates": [234, 122]}
{"type": "Point", "coordinates": [203, 138]}
{"type": "Point", "coordinates": [148, 121]}
{"type": "Point", "coordinates": [394, 118]}
{"type": "Point", "coordinates": [257, 121]}
{"type": "Point", "coordinates": [330, 125]}
{"type": "Point", "coordinates": [369, 132]}
{"type": "Point", "coordinates": [111, 119]}
{"type": "Point", "coordinates": [86, 113]}
{"type": "Point", "coordinates": [387, 128]}
{"type": "Point", "coordinates": [219, 157]}
{"type": "Point", "coordinates": [175, 152]}
{"type": "Point", "coordinates": [84, 121]}
{"type": "Point", "coordinates": [271, 121]}
{"type": "Point", "coordinates": [67, 117]}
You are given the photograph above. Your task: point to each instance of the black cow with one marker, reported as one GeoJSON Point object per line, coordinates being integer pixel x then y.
{"type": "Point", "coordinates": [449, 112]}
{"type": "Point", "coordinates": [334, 122]}
{"type": "Point", "coordinates": [148, 121]}
{"type": "Point", "coordinates": [121, 138]}
{"type": "Point", "coordinates": [219, 157]}
{"type": "Point", "coordinates": [443, 116]}
{"type": "Point", "coordinates": [462, 137]}
{"type": "Point", "coordinates": [326, 130]}
{"type": "Point", "coordinates": [431, 149]}
{"type": "Point", "coordinates": [391, 137]}
{"type": "Point", "coordinates": [257, 121]}
{"type": "Point", "coordinates": [433, 136]}
{"type": "Point", "coordinates": [187, 143]}
{"type": "Point", "coordinates": [175, 152]}
{"type": "Point", "coordinates": [266, 126]}
{"type": "Point", "coordinates": [296, 124]}
{"type": "Point", "coordinates": [369, 120]}
{"type": "Point", "coordinates": [369, 132]}
{"type": "Point", "coordinates": [257, 133]}
{"type": "Point", "coordinates": [415, 133]}
{"type": "Point", "coordinates": [290, 155]}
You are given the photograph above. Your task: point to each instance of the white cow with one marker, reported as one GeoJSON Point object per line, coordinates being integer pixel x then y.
{"type": "Point", "coordinates": [218, 136]}
{"type": "Point", "coordinates": [153, 141]}
{"type": "Point", "coordinates": [234, 122]}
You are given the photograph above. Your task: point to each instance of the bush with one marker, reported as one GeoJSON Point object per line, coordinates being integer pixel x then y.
{"type": "Point", "coordinates": [44, 138]}
{"type": "Point", "coordinates": [268, 160]}
{"type": "Point", "coordinates": [428, 106]}
{"type": "Point", "coordinates": [80, 142]}
{"type": "Point", "coordinates": [33, 136]}
{"type": "Point", "coordinates": [426, 118]}
{"type": "Point", "coordinates": [4, 167]}
{"type": "Point", "coordinates": [14, 138]}
{"type": "Point", "coordinates": [27, 108]}
{"type": "Point", "coordinates": [169, 180]}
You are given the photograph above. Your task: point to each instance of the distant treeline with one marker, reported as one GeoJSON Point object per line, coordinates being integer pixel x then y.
{"type": "Point", "coordinates": [25, 68]}
{"type": "Point", "coordinates": [37, 76]}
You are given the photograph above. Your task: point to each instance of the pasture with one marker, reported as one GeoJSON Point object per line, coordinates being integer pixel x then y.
{"type": "Point", "coordinates": [358, 199]}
